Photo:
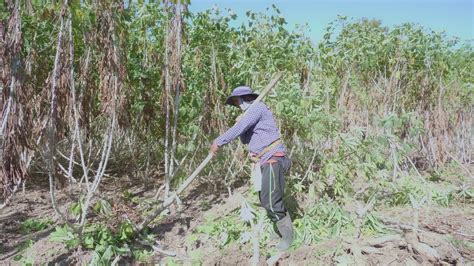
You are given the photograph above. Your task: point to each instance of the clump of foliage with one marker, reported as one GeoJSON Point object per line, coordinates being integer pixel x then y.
{"type": "Point", "coordinates": [32, 225]}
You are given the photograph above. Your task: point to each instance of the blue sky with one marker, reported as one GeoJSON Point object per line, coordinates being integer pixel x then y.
{"type": "Point", "coordinates": [455, 17]}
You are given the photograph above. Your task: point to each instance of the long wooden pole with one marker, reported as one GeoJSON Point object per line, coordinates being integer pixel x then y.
{"type": "Point", "coordinates": [172, 198]}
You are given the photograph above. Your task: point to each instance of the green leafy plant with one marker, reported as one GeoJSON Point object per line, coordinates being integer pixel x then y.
{"type": "Point", "coordinates": [64, 234]}
{"type": "Point", "coordinates": [323, 220]}
{"type": "Point", "coordinates": [33, 225]}
{"type": "Point", "coordinates": [20, 256]}
{"type": "Point", "coordinates": [103, 207]}
{"type": "Point", "coordinates": [224, 230]}
{"type": "Point", "coordinates": [142, 255]}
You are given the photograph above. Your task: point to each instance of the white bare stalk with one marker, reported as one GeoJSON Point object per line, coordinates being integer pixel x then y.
{"type": "Point", "coordinates": [174, 197]}
{"type": "Point", "coordinates": [77, 130]}
{"type": "Point", "coordinates": [78, 164]}
{"type": "Point", "coordinates": [416, 170]}
{"type": "Point", "coordinates": [7, 200]}
{"type": "Point", "coordinates": [460, 164]}
{"type": "Point", "coordinates": [83, 81]}
{"type": "Point", "coordinates": [177, 73]}
{"type": "Point", "coordinates": [107, 144]}
{"type": "Point", "coordinates": [167, 125]}
{"type": "Point", "coordinates": [194, 155]}
{"type": "Point", "coordinates": [115, 261]}
{"type": "Point", "coordinates": [310, 164]}
{"type": "Point", "coordinates": [66, 172]}
{"type": "Point", "coordinates": [85, 168]}
{"type": "Point", "coordinates": [159, 191]}
{"type": "Point", "coordinates": [73, 94]}
{"type": "Point", "coordinates": [229, 173]}
{"type": "Point", "coordinates": [102, 165]}
{"type": "Point", "coordinates": [256, 229]}
{"type": "Point", "coordinates": [16, 32]}
{"type": "Point", "coordinates": [52, 116]}
{"type": "Point", "coordinates": [178, 166]}
{"type": "Point", "coordinates": [69, 173]}
{"type": "Point", "coordinates": [6, 111]}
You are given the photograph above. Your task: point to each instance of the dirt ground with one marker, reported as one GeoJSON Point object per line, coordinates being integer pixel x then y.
{"type": "Point", "coordinates": [436, 227]}
{"type": "Point", "coordinates": [447, 231]}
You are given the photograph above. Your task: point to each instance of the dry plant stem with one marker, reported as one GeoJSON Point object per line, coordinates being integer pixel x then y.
{"type": "Point", "coordinates": [194, 156]}
{"type": "Point", "coordinates": [176, 31]}
{"type": "Point", "coordinates": [69, 172]}
{"type": "Point", "coordinates": [8, 106]}
{"type": "Point", "coordinates": [85, 168]}
{"type": "Point", "coordinates": [272, 84]}
{"type": "Point", "coordinates": [188, 181]}
{"type": "Point", "coordinates": [14, 38]}
{"type": "Point", "coordinates": [460, 164]}
{"type": "Point", "coordinates": [155, 246]}
{"type": "Point", "coordinates": [256, 228]}
{"type": "Point", "coordinates": [102, 165]}
{"type": "Point", "coordinates": [76, 163]}
{"type": "Point", "coordinates": [178, 166]}
{"type": "Point", "coordinates": [100, 172]}
{"type": "Point", "coordinates": [107, 141]}
{"type": "Point", "coordinates": [460, 257]}
{"type": "Point", "coordinates": [416, 169]}
{"type": "Point", "coordinates": [345, 84]}
{"type": "Point", "coordinates": [229, 172]}
{"type": "Point", "coordinates": [170, 200]}
{"type": "Point", "coordinates": [310, 164]}
{"type": "Point", "coordinates": [159, 191]}
{"type": "Point", "coordinates": [77, 130]}
{"type": "Point", "coordinates": [116, 260]}
{"type": "Point", "coordinates": [7, 200]}
{"type": "Point", "coordinates": [147, 161]}
{"type": "Point", "coordinates": [73, 94]}
{"type": "Point", "coordinates": [53, 114]}
{"type": "Point", "coordinates": [6, 111]}
{"type": "Point", "coordinates": [167, 122]}
{"type": "Point", "coordinates": [164, 252]}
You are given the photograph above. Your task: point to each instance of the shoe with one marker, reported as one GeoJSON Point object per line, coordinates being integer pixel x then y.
{"type": "Point", "coordinates": [286, 230]}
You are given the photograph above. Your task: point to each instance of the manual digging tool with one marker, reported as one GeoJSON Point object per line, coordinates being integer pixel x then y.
{"type": "Point", "coordinates": [174, 197]}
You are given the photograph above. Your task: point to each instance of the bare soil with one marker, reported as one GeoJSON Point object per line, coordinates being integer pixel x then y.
{"type": "Point", "coordinates": [448, 231]}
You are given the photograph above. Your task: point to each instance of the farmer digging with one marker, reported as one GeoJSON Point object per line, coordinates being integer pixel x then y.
{"type": "Point", "coordinates": [258, 129]}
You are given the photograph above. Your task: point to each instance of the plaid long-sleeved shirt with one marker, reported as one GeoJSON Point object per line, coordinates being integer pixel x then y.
{"type": "Point", "coordinates": [258, 129]}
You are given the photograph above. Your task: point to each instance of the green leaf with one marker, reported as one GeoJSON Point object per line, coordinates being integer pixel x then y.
{"type": "Point", "coordinates": [107, 256]}
{"type": "Point", "coordinates": [89, 242]}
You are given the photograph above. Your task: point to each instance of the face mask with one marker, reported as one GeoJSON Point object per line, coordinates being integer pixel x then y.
{"type": "Point", "coordinates": [244, 105]}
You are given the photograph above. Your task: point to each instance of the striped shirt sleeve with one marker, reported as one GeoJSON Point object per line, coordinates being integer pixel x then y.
{"type": "Point", "coordinates": [246, 122]}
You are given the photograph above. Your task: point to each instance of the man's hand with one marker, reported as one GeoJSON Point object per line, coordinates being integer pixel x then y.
{"type": "Point", "coordinates": [214, 149]}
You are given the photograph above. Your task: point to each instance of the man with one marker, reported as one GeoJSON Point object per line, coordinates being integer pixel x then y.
{"type": "Point", "coordinates": [258, 129]}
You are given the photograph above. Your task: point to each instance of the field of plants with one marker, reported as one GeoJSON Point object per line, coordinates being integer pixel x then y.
{"type": "Point", "coordinates": [108, 106]}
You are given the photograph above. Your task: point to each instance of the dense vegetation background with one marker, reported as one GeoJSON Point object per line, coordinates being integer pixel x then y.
{"type": "Point", "coordinates": [95, 93]}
